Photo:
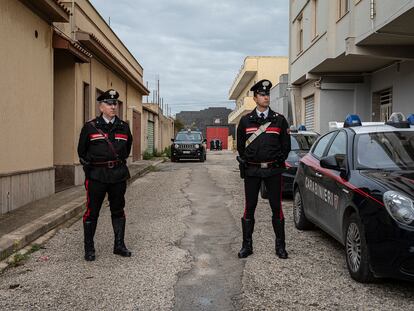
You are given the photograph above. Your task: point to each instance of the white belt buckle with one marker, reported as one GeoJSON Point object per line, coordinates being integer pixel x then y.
{"type": "Point", "coordinates": [263, 165]}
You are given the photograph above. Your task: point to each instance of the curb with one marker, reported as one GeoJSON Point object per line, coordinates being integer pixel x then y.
{"type": "Point", "coordinates": [23, 236]}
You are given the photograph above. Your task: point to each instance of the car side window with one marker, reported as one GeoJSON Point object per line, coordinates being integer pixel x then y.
{"type": "Point", "coordinates": [338, 145]}
{"type": "Point", "coordinates": [320, 145]}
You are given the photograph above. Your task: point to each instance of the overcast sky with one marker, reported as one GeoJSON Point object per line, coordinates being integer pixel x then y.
{"type": "Point", "coordinates": [197, 47]}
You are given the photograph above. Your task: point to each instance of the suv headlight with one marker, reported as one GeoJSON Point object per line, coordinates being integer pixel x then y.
{"type": "Point", "coordinates": [176, 146]}
{"type": "Point", "coordinates": [400, 207]}
{"type": "Point", "coordinates": [197, 146]}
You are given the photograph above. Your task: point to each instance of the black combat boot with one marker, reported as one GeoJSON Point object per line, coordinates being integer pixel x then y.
{"type": "Point", "coordinates": [89, 228]}
{"type": "Point", "coordinates": [119, 231]}
{"type": "Point", "coordinates": [280, 245]}
{"type": "Point", "coordinates": [247, 246]}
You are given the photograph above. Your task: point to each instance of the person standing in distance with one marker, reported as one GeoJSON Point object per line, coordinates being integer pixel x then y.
{"type": "Point", "coordinates": [104, 146]}
{"type": "Point", "coordinates": [263, 144]}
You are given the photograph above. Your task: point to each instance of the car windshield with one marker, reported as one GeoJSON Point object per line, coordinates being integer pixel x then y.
{"type": "Point", "coordinates": [385, 150]}
{"type": "Point", "coordinates": [188, 137]}
{"type": "Point", "coordinates": [302, 141]}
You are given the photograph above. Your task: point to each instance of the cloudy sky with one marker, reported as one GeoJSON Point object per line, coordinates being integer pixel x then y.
{"type": "Point", "coordinates": [196, 47]}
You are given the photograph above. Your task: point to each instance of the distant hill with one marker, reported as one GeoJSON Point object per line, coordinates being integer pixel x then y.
{"type": "Point", "coordinates": [201, 119]}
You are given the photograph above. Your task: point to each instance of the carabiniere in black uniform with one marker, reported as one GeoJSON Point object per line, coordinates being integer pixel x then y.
{"type": "Point", "coordinates": [103, 149]}
{"type": "Point", "coordinates": [263, 159]}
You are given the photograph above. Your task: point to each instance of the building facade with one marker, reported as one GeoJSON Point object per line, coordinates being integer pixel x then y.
{"type": "Point", "coordinates": [350, 56]}
{"type": "Point", "coordinates": [61, 56]}
{"type": "Point", "coordinates": [280, 98]}
{"type": "Point", "coordinates": [254, 69]}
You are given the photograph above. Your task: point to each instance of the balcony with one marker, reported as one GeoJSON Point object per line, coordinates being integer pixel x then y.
{"type": "Point", "coordinates": [245, 75]}
{"type": "Point", "coordinates": [248, 104]}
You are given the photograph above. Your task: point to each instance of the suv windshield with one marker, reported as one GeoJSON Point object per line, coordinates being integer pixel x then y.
{"type": "Point", "coordinates": [302, 141]}
{"type": "Point", "coordinates": [188, 137]}
{"type": "Point", "coordinates": [386, 150]}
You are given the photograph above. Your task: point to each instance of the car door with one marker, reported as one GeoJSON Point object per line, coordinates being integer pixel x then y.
{"type": "Point", "coordinates": [312, 175]}
{"type": "Point", "coordinates": [332, 187]}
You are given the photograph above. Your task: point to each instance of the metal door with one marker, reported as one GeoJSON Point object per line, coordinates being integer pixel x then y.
{"type": "Point", "coordinates": [150, 137]}
{"type": "Point", "coordinates": [136, 133]}
{"type": "Point", "coordinates": [310, 113]}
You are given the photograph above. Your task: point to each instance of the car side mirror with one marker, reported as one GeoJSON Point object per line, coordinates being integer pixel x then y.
{"type": "Point", "coordinates": [334, 162]}
{"type": "Point", "coordinates": [204, 140]}
{"type": "Point", "coordinates": [172, 139]}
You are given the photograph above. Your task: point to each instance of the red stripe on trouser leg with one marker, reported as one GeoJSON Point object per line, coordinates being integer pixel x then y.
{"type": "Point", "coordinates": [281, 194]}
{"type": "Point", "coordinates": [88, 210]}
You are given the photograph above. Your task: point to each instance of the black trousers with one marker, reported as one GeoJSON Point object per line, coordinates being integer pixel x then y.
{"type": "Point", "coordinates": [95, 194]}
{"type": "Point", "coordinates": [274, 190]}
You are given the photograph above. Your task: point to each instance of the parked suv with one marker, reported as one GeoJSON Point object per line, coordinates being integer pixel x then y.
{"type": "Point", "coordinates": [188, 145]}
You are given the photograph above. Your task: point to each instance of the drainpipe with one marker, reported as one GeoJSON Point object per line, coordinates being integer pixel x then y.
{"type": "Point", "coordinates": [72, 22]}
{"type": "Point", "coordinates": [372, 13]}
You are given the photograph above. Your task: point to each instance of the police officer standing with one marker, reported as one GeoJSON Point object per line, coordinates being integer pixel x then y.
{"type": "Point", "coordinates": [263, 144]}
{"type": "Point", "coordinates": [104, 145]}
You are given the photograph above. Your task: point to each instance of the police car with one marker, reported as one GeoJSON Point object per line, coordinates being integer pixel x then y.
{"type": "Point", "coordinates": [188, 144]}
{"type": "Point", "coordinates": [357, 184]}
{"type": "Point", "coordinates": [301, 141]}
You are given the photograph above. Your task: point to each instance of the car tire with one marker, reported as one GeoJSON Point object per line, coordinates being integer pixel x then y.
{"type": "Point", "coordinates": [356, 251]}
{"type": "Point", "coordinates": [263, 191]}
{"type": "Point", "coordinates": [299, 217]}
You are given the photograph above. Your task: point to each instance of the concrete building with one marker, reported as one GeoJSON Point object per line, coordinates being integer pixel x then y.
{"type": "Point", "coordinates": [350, 57]}
{"type": "Point", "coordinates": [280, 98]}
{"type": "Point", "coordinates": [56, 58]}
{"type": "Point", "coordinates": [254, 69]}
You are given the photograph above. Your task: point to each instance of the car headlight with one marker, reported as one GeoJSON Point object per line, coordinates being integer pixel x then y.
{"type": "Point", "coordinates": [400, 207]}
{"type": "Point", "coordinates": [176, 146]}
{"type": "Point", "coordinates": [197, 146]}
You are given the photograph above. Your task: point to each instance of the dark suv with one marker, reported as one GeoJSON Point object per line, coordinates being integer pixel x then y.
{"type": "Point", "coordinates": [188, 145]}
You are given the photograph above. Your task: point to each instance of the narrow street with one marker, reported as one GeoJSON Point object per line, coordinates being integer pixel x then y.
{"type": "Point", "coordinates": [183, 226]}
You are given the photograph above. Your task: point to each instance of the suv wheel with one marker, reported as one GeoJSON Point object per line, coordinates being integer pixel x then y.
{"type": "Point", "coordinates": [356, 251]}
{"type": "Point", "coordinates": [299, 218]}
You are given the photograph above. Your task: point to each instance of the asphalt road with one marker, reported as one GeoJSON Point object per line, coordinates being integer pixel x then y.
{"type": "Point", "coordinates": [183, 226]}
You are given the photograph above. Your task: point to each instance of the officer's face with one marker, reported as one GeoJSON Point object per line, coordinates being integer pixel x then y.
{"type": "Point", "coordinates": [108, 110]}
{"type": "Point", "coordinates": [262, 100]}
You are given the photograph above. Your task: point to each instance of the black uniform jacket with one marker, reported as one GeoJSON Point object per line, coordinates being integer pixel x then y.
{"type": "Point", "coordinates": [93, 148]}
{"type": "Point", "coordinates": [270, 146]}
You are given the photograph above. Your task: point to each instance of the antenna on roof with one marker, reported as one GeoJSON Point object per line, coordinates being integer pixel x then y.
{"type": "Point", "coordinates": [109, 21]}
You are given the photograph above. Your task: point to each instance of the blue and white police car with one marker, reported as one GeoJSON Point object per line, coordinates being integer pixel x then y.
{"type": "Point", "coordinates": [357, 184]}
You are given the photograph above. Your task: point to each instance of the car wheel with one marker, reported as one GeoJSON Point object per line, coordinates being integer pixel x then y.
{"type": "Point", "coordinates": [356, 251]}
{"type": "Point", "coordinates": [299, 218]}
{"type": "Point", "coordinates": [263, 191]}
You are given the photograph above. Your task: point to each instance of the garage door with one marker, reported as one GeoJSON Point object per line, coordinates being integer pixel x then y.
{"type": "Point", "coordinates": [310, 113]}
{"type": "Point", "coordinates": [150, 137]}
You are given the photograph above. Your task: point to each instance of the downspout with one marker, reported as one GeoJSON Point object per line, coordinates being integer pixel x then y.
{"type": "Point", "coordinates": [72, 22]}
{"type": "Point", "coordinates": [293, 103]}
{"type": "Point", "coordinates": [372, 13]}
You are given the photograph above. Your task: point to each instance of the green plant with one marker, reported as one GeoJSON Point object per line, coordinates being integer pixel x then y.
{"type": "Point", "coordinates": [157, 153]}
{"type": "Point", "coordinates": [147, 155]}
{"type": "Point", "coordinates": [167, 152]}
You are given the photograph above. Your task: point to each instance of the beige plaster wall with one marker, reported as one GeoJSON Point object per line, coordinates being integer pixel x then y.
{"type": "Point", "coordinates": [64, 112]}
{"type": "Point", "coordinates": [26, 114]}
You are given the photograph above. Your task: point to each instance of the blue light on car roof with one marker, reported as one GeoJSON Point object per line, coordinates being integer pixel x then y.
{"type": "Point", "coordinates": [410, 119]}
{"type": "Point", "coordinates": [302, 128]}
{"type": "Point", "coordinates": [352, 120]}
